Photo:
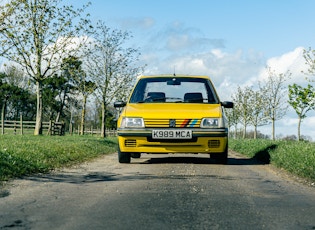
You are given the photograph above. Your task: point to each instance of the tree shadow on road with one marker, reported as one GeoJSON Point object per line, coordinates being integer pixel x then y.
{"type": "Point", "coordinates": [179, 160]}
{"type": "Point", "coordinates": [201, 160]}
{"type": "Point", "coordinates": [260, 158]}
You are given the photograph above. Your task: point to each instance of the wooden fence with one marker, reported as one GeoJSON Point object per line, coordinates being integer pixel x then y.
{"type": "Point", "coordinates": [109, 132]}
{"type": "Point", "coordinates": [19, 127]}
{"type": "Point", "coordinates": [50, 128]}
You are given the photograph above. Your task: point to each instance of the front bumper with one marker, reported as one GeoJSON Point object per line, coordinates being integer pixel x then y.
{"type": "Point", "coordinates": [203, 141]}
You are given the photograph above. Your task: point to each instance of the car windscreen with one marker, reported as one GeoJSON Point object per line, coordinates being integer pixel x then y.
{"type": "Point", "coordinates": [174, 89]}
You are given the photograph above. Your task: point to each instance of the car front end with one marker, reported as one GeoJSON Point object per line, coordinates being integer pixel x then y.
{"type": "Point", "coordinates": [173, 115]}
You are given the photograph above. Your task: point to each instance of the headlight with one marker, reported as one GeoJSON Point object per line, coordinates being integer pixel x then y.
{"type": "Point", "coordinates": [212, 123]}
{"type": "Point", "coordinates": [132, 122]}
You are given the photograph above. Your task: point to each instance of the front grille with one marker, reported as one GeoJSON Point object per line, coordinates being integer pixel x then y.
{"type": "Point", "coordinates": [130, 143]}
{"type": "Point", "coordinates": [214, 143]}
{"type": "Point", "coordinates": [165, 123]}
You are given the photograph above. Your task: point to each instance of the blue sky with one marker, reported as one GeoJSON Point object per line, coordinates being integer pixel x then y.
{"type": "Point", "coordinates": [268, 26]}
{"type": "Point", "coordinates": [232, 41]}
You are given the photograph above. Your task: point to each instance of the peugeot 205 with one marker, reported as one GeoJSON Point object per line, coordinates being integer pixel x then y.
{"type": "Point", "coordinates": [173, 114]}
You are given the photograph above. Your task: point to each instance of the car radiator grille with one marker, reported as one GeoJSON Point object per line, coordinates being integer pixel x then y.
{"type": "Point", "coordinates": [130, 143]}
{"type": "Point", "coordinates": [214, 143]}
{"type": "Point", "coordinates": [165, 123]}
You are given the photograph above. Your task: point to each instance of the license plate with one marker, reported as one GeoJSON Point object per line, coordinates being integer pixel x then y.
{"type": "Point", "coordinates": [172, 134]}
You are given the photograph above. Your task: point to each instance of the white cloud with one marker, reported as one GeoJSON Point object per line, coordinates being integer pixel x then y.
{"type": "Point", "coordinates": [231, 69]}
{"type": "Point", "coordinates": [137, 23]}
{"type": "Point", "coordinates": [293, 62]}
{"type": "Point", "coordinates": [178, 38]}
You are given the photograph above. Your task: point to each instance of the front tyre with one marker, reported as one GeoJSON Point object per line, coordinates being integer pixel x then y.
{"type": "Point", "coordinates": [123, 157]}
{"type": "Point", "coordinates": [221, 158]}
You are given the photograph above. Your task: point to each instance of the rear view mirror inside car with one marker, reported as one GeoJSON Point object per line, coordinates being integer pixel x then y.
{"type": "Point", "coordinates": [174, 81]}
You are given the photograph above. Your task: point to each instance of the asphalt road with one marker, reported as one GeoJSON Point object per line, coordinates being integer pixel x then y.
{"type": "Point", "coordinates": [159, 192]}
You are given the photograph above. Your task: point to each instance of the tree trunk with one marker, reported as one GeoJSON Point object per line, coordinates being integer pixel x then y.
{"type": "Point", "coordinates": [103, 128]}
{"type": "Point", "coordinates": [2, 116]}
{"type": "Point", "coordinates": [83, 115]}
{"type": "Point", "coordinates": [244, 131]}
{"type": "Point", "coordinates": [61, 107]}
{"type": "Point", "coordinates": [273, 129]}
{"type": "Point", "coordinates": [299, 129]}
{"type": "Point", "coordinates": [39, 110]}
{"type": "Point", "coordinates": [70, 123]}
{"type": "Point", "coordinates": [255, 132]}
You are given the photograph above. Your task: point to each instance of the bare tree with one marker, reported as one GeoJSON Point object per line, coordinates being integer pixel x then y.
{"type": "Point", "coordinates": [85, 88]}
{"type": "Point", "coordinates": [309, 56]}
{"type": "Point", "coordinates": [232, 116]}
{"type": "Point", "coordinates": [112, 66]}
{"type": "Point", "coordinates": [243, 108]}
{"type": "Point", "coordinates": [37, 35]}
{"type": "Point", "coordinates": [16, 76]}
{"type": "Point", "coordinates": [274, 92]}
{"type": "Point", "coordinates": [258, 104]}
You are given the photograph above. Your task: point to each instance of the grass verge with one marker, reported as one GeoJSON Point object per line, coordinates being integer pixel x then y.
{"type": "Point", "coordinates": [295, 157]}
{"type": "Point", "coordinates": [25, 155]}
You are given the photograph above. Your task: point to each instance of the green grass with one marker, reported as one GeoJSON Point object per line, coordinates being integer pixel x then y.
{"type": "Point", "coordinates": [28, 154]}
{"type": "Point", "coordinates": [293, 156]}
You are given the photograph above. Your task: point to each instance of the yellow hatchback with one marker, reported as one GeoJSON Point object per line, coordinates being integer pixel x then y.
{"type": "Point", "coordinates": [173, 114]}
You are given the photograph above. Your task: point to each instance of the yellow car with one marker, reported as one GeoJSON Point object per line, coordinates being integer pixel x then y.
{"type": "Point", "coordinates": [173, 114]}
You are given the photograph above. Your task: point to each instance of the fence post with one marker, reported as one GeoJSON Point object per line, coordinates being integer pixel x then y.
{"type": "Point", "coordinates": [50, 128]}
{"type": "Point", "coordinates": [2, 126]}
{"type": "Point", "coordinates": [2, 120]}
{"type": "Point", "coordinates": [14, 128]}
{"type": "Point", "coordinates": [63, 127]}
{"type": "Point", "coordinates": [21, 123]}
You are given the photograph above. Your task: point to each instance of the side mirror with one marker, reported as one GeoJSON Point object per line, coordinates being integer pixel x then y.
{"type": "Point", "coordinates": [227, 104]}
{"type": "Point", "coordinates": [119, 104]}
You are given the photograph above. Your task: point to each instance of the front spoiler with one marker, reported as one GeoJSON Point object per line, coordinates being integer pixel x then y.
{"type": "Point", "coordinates": [222, 132]}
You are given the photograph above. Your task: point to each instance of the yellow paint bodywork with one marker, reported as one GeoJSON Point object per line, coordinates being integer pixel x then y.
{"type": "Point", "coordinates": [205, 141]}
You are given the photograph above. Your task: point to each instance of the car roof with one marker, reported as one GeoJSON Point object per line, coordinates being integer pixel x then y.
{"type": "Point", "coordinates": [173, 75]}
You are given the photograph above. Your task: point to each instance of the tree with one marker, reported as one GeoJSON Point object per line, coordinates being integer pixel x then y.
{"type": "Point", "coordinates": [244, 108]}
{"type": "Point", "coordinates": [71, 71]}
{"type": "Point", "coordinates": [37, 35]}
{"type": "Point", "coordinates": [86, 88]}
{"type": "Point", "coordinates": [302, 100]}
{"type": "Point", "coordinates": [16, 76]}
{"type": "Point", "coordinates": [232, 116]}
{"type": "Point", "coordinates": [55, 89]}
{"type": "Point", "coordinates": [112, 67]}
{"type": "Point", "coordinates": [14, 101]}
{"type": "Point", "coordinates": [77, 81]}
{"type": "Point", "coordinates": [258, 104]}
{"type": "Point", "coordinates": [273, 91]}
{"type": "Point", "coordinates": [4, 14]}
{"type": "Point", "coordinates": [309, 56]}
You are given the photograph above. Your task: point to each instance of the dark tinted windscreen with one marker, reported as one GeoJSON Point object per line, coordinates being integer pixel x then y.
{"type": "Point", "coordinates": [173, 89]}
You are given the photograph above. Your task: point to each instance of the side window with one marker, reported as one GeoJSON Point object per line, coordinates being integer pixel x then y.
{"type": "Point", "coordinates": [138, 92]}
